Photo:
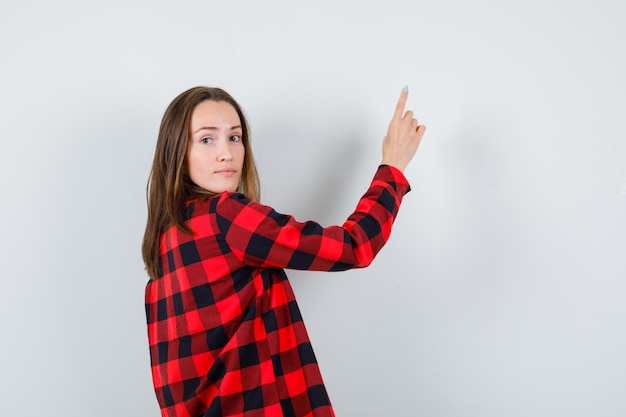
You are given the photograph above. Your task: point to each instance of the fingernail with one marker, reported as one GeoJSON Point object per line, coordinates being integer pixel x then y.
{"type": "Point", "coordinates": [406, 88]}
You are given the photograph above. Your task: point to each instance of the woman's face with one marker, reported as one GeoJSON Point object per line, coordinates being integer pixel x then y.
{"type": "Point", "coordinates": [215, 152]}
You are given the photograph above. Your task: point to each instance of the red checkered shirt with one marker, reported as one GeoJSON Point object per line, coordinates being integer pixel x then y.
{"type": "Point", "coordinates": [226, 335]}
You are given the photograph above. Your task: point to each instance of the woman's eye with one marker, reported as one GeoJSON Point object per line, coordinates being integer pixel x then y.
{"type": "Point", "coordinates": [206, 140]}
{"type": "Point", "coordinates": [235, 138]}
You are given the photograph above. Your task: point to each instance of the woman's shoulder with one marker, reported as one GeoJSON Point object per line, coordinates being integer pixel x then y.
{"type": "Point", "coordinates": [219, 202]}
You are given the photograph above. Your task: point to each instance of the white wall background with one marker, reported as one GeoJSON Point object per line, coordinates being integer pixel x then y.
{"type": "Point", "coordinates": [501, 292]}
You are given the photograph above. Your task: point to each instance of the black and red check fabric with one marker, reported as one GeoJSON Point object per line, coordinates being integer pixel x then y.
{"type": "Point", "coordinates": [226, 335]}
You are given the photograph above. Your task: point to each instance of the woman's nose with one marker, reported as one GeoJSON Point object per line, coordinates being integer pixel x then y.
{"type": "Point", "coordinates": [224, 153]}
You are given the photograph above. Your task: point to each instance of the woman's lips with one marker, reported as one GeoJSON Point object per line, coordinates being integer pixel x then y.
{"type": "Point", "coordinates": [226, 172]}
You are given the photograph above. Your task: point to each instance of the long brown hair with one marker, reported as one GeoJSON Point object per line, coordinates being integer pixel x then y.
{"type": "Point", "coordinates": [169, 188]}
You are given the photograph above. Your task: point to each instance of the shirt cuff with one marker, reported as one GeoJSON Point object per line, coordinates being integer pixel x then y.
{"type": "Point", "coordinates": [394, 177]}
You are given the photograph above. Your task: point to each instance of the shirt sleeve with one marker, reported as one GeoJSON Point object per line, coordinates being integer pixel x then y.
{"type": "Point", "coordinates": [261, 237]}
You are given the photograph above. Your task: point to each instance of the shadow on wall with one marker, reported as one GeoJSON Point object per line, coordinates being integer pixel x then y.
{"type": "Point", "coordinates": [313, 171]}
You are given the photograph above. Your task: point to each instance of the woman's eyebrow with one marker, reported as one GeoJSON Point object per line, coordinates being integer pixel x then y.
{"type": "Point", "coordinates": [215, 128]}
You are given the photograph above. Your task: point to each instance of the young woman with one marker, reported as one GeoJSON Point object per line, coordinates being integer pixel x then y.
{"type": "Point", "coordinates": [225, 333]}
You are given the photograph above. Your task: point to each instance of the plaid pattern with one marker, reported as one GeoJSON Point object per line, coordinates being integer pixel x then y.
{"type": "Point", "coordinates": [226, 335]}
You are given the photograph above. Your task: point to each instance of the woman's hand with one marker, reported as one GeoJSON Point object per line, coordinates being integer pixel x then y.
{"type": "Point", "coordinates": [403, 136]}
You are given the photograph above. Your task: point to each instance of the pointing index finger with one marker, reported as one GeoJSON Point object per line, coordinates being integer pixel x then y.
{"type": "Point", "coordinates": [401, 103]}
